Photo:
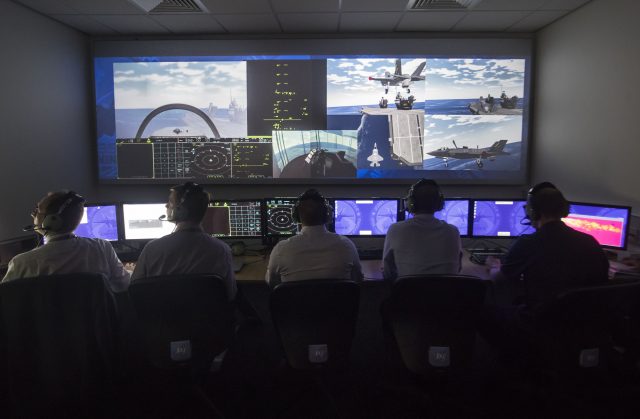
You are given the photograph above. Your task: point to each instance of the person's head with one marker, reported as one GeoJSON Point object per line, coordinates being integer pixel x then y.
{"type": "Point", "coordinates": [424, 197]}
{"type": "Point", "coordinates": [58, 213]}
{"type": "Point", "coordinates": [311, 209]}
{"type": "Point", "coordinates": [187, 203]}
{"type": "Point", "coordinates": [545, 203]}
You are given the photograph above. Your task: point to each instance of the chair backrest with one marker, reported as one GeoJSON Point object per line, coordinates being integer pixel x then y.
{"type": "Point", "coordinates": [577, 328]}
{"type": "Point", "coordinates": [315, 321]}
{"type": "Point", "coordinates": [185, 320]}
{"type": "Point", "coordinates": [57, 341]}
{"type": "Point", "coordinates": [433, 319]}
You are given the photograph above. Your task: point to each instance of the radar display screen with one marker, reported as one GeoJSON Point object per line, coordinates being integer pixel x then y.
{"type": "Point", "coordinates": [279, 217]}
{"type": "Point", "coordinates": [233, 219]}
{"type": "Point", "coordinates": [365, 217]}
{"type": "Point", "coordinates": [142, 221]}
{"type": "Point", "coordinates": [499, 219]}
{"type": "Point", "coordinates": [455, 212]}
{"type": "Point", "coordinates": [99, 222]}
{"type": "Point", "coordinates": [607, 224]}
{"type": "Point", "coordinates": [195, 158]}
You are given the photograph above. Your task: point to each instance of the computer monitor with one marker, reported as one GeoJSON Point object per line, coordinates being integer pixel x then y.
{"type": "Point", "coordinates": [365, 217]}
{"type": "Point", "coordinates": [608, 224]}
{"type": "Point", "coordinates": [455, 212]}
{"type": "Point", "coordinates": [141, 221]}
{"type": "Point", "coordinates": [278, 217]}
{"type": "Point", "coordinates": [100, 222]}
{"type": "Point", "coordinates": [233, 218]}
{"type": "Point", "coordinates": [499, 218]}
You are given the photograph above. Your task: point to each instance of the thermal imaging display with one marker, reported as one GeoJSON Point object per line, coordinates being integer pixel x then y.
{"type": "Point", "coordinates": [608, 225]}
{"type": "Point", "coordinates": [100, 222]}
{"type": "Point", "coordinates": [455, 212]}
{"type": "Point", "coordinates": [504, 218]}
{"type": "Point", "coordinates": [365, 217]}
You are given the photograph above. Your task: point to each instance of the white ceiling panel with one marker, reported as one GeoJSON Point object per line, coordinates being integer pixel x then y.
{"type": "Point", "coordinates": [374, 5]}
{"type": "Point", "coordinates": [309, 22]}
{"type": "Point", "coordinates": [304, 6]}
{"type": "Point", "coordinates": [509, 5]}
{"type": "Point", "coordinates": [259, 23]}
{"type": "Point", "coordinates": [189, 23]}
{"type": "Point", "coordinates": [430, 21]}
{"type": "Point", "coordinates": [104, 7]}
{"type": "Point", "coordinates": [537, 20]}
{"type": "Point", "coordinates": [369, 22]}
{"type": "Point", "coordinates": [85, 24]}
{"type": "Point", "coordinates": [489, 21]}
{"type": "Point", "coordinates": [131, 24]}
{"type": "Point", "coordinates": [237, 6]}
{"type": "Point", "coordinates": [563, 4]}
{"type": "Point", "coordinates": [49, 6]}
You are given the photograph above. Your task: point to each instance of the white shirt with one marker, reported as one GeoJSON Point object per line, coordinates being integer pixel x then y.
{"type": "Point", "coordinates": [315, 253]}
{"type": "Point", "coordinates": [71, 255]}
{"type": "Point", "coordinates": [422, 245]}
{"type": "Point", "coordinates": [189, 251]}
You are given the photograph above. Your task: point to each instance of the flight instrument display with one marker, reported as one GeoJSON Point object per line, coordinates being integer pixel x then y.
{"type": "Point", "coordinates": [233, 218]}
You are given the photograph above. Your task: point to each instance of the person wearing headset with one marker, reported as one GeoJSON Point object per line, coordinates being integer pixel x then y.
{"type": "Point", "coordinates": [556, 257]}
{"type": "Point", "coordinates": [189, 249]}
{"type": "Point", "coordinates": [314, 253]}
{"type": "Point", "coordinates": [423, 244]}
{"type": "Point", "coordinates": [55, 217]}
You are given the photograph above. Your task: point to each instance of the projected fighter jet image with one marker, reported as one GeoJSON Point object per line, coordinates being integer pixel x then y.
{"type": "Point", "coordinates": [399, 79]}
{"type": "Point", "coordinates": [466, 153]}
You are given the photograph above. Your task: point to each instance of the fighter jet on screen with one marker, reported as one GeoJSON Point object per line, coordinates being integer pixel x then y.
{"type": "Point", "coordinates": [399, 79]}
{"type": "Point", "coordinates": [465, 153]}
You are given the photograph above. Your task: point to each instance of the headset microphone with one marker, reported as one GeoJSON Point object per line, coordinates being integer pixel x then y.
{"type": "Point", "coordinates": [162, 217]}
{"type": "Point", "coordinates": [30, 227]}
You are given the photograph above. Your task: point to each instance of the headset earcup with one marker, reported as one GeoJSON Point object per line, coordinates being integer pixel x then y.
{"type": "Point", "coordinates": [295, 213]}
{"type": "Point", "coordinates": [52, 222]}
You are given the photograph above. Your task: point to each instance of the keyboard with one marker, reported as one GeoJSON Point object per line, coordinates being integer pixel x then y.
{"type": "Point", "coordinates": [480, 256]}
{"type": "Point", "coordinates": [370, 254]}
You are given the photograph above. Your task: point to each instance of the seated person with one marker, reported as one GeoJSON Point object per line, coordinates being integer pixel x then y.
{"type": "Point", "coordinates": [422, 245]}
{"type": "Point", "coordinates": [315, 253]}
{"type": "Point", "coordinates": [556, 257]}
{"type": "Point", "coordinates": [55, 217]}
{"type": "Point", "coordinates": [188, 250]}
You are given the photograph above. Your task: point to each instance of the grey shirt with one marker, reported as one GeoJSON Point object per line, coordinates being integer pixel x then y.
{"type": "Point", "coordinates": [422, 245]}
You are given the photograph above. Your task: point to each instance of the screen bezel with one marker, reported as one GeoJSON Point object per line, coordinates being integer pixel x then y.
{"type": "Point", "coordinates": [625, 234]}
{"type": "Point", "coordinates": [471, 218]}
{"type": "Point", "coordinates": [260, 205]}
{"type": "Point", "coordinates": [398, 214]}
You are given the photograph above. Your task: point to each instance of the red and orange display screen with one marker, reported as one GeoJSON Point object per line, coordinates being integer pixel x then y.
{"type": "Point", "coordinates": [608, 225]}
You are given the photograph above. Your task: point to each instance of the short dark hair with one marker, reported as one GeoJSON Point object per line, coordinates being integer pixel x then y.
{"type": "Point", "coordinates": [426, 197]}
{"type": "Point", "coordinates": [550, 203]}
{"type": "Point", "coordinates": [195, 200]}
{"type": "Point", "coordinates": [71, 215]}
{"type": "Point", "coordinates": [312, 208]}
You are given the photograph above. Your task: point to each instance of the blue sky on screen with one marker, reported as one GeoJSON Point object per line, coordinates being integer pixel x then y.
{"type": "Point", "coordinates": [148, 85]}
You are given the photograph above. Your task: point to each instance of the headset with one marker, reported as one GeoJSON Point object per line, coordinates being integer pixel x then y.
{"type": "Point", "coordinates": [532, 209]}
{"type": "Point", "coordinates": [410, 199]}
{"type": "Point", "coordinates": [55, 222]}
{"type": "Point", "coordinates": [180, 212]}
{"type": "Point", "coordinates": [313, 195]}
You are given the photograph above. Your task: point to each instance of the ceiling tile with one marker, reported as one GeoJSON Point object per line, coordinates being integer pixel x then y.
{"type": "Point", "coordinates": [374, 5]}
{"type": "Point", "coordinates": [563, 4]}
{"type": "Point", "coordinates": [237, 6]}
{"type": "Point", "coordinates": [302, 6]}
{"type": "Point", "coordinates": [48, 6]}
{"type": "Point", "coordinates": [84, 24]}
{"type": "Point", "coordinates": [505, 5]}
{"type": "Point", "coordinates": [537, 20]}
{"type": "Point", "coordinates": [264, 23]}
{"type": "Point", "coordinates": [309, 22]}
{"type": "Point", "coordinates": [131, 24]}
{"type": "Point", "coordinates": [489, 21]}
{"type": "Point", "coordinates": [429, 21]}
{"type": "Point", "coordinates": [188, 23]}
{"type": "Point", "coordinates": [104, 7]}
{"type": "Point", "coordinates": [369, 22]}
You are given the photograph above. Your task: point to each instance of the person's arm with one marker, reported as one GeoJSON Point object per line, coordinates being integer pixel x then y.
{"type": "Point", "coordinates": [140, 271]}
{"type": "Point", "coordinates": [356, 268]}
{"type": "Point", "coordinates": [389, 270]}
{"type": "Point", "coordinates": [273, 275]}
{"type": "Point", "coordinates": [13, 271]}
{"type": "Point", "coordinates": [119, 278]}
{"type": "Point", "coordinates": [516, 262]}
{"type": "Point", "coordinates": [230, 277]}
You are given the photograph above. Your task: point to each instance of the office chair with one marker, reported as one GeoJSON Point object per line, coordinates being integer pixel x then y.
{"type": "Point", "coordinates": [433, 318]}
{"type": "Point", "coordinates": [185, 321]}
{"type": "Point", "coordinates": [59, 346]}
